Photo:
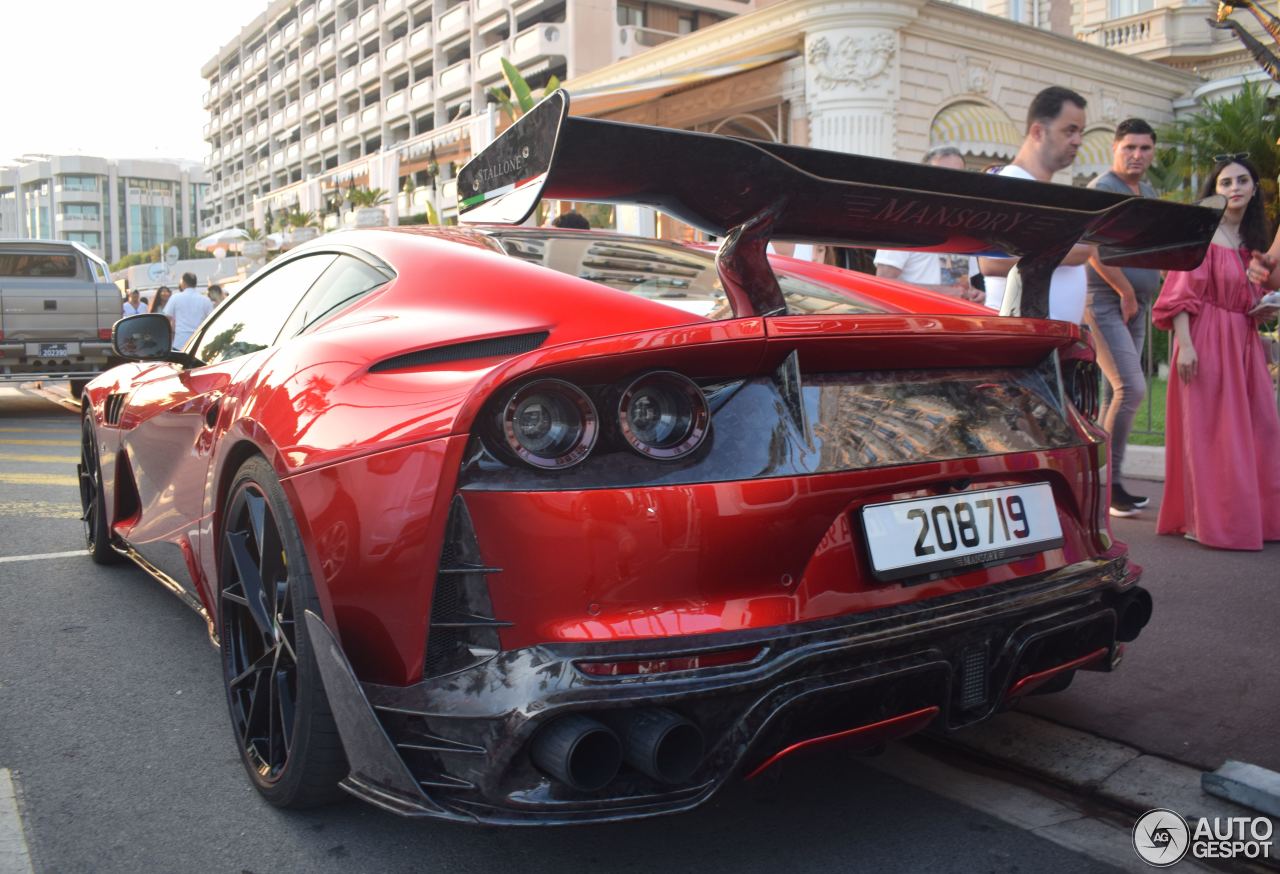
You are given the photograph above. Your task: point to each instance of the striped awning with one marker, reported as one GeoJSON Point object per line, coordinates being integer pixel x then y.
{"type": "Point", "coordinates": [975, 129]}
{"type": "Point", "coordinates": [1094, 157]}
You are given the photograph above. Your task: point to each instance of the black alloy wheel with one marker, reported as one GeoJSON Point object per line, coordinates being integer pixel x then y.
{"type": "Point", "coordinates": [279, 712]}
{"type": "Point", "coordinates": [97, 537]}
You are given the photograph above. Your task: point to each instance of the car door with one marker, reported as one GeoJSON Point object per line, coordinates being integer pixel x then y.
{"type": "Point", "coordinates": [169, 421]}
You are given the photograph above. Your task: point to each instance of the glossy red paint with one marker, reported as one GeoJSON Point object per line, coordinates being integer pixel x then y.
{"type": "Point", "coordinates": [715, 557]}
{"type": "Point", "coordinates": [869, 735]}
{"type": "Point", "coordinates": [369, 458]}
{"type": "Point", "coordinates": [372, 528]}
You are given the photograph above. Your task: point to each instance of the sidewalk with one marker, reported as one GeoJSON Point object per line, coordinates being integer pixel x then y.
{"type": "Point", "coordinates": [1200, 684]}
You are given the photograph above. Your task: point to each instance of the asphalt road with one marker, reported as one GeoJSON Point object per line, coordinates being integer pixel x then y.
{"type": "Point", "coordinates": [113, 723]}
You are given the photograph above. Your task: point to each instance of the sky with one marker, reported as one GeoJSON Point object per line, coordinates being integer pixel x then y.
{"type": "Point", "coordinates": [115, 80]}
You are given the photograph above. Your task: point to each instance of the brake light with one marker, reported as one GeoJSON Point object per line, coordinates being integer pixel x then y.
{"type": "Point", "coordinates": [670, 665]}
{"type": "Point", "coordinates": [104, 333]}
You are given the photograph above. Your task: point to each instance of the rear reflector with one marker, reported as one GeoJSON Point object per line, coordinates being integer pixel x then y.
{"type": "Point", "coordinates": [104, 333]}
{"type": "Point", "coordinates": [670, 665]}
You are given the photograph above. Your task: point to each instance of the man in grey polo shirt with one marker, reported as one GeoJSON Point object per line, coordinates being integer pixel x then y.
{"type": "Point", "coordinates": [1117, 305]}
{"type": "Point", "coordinates": [186, 310]}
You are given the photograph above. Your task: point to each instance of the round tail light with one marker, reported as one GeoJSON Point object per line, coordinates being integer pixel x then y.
{"type": "Point", "coordinates": [663, 415]}
{"type": "Point", "coordinates": [550, 424]}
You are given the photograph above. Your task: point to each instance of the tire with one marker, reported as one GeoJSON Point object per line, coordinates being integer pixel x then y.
{"type": "Point", "coordinates": [280, 715]}
{"type": "Point", "coordinates": [97, 536]}
{"type": "Point", "coordinates": [77, 388]}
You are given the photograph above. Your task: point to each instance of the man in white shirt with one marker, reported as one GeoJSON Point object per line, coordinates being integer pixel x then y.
{"type": "Point", "coordinates": [1055, 129]}
{"type": "Point", "coordinates": [926, 269]}
{"type": "Point", "coordinates": [134, 305]}
{"type": "Point", "coordinates": [186, 310]}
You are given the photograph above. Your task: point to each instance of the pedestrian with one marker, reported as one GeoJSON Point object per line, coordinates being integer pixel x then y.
{"type": "Point", "coordinates": [1222, 431]}
{"type": "Point", "coordinates": [573, 220]}
{"type": "Point", "coordinates": [186, 310]}
{"type": "Point", "coordinates": [160, 299]}
{"type": "Point", "coordinates": [1117, 304]}
{"type": "Point", "coordinates": [215, 294]}
{"type": "Point", "coordinates": [1055, 129]}
{"type": "Point", "coordinates": [133, 305]}
{"type": "Point", "coordinates": [936, 271]}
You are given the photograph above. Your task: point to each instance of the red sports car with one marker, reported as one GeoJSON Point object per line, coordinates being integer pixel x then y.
{"type": "Point", "coordinates": [520, 525]}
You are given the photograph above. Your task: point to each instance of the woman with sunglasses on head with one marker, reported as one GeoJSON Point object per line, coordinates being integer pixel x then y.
{"type": "Point", "coordinates": [1222, 431]}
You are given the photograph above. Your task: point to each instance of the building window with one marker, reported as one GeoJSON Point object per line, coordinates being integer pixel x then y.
{"type": "Point", "coordinates": [79, 183]}
{"type": "Point", "coordinates": [88, 238]}
{"type": "Point", "coordinates": [1123, 8]}
{"type": "Point", "coordinates": [85, 212]}
{"type": "Point", "coordinates": [630, 15]}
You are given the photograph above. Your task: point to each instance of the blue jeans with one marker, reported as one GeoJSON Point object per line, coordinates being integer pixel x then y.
{"type": "Point", "coordinates": [1119, 346]}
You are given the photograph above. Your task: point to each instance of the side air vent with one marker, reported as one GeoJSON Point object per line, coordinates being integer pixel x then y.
{"type": "Point", "coordinates": [515, 344]}
{"type": "Point", "coordinates": [113, 408]}
{"type": "Point", "coordinates": [463, 632]}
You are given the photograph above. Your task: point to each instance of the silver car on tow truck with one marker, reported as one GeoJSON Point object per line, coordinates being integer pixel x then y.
{"type": "Point", "coordinates": [57, 306]}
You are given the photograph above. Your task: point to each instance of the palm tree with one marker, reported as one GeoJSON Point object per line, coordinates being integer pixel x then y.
{"type": "Point", "coordinates": [519, 98]}
{"type": "Point", "coordinates": [368, 196]}
{"type": "Point", "coordinates": [1245, 122]}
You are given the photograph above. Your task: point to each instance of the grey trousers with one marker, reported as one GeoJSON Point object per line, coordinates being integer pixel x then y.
{"type": "Point", "coordinates": [1119, 346]}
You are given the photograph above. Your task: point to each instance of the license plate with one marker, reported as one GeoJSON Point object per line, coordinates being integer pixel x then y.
{"type": "Point", "coordinates": [53, 350]}
{"type": "Point", "coordinates": [921, 536]}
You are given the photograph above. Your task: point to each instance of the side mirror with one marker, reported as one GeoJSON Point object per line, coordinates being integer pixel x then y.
{"type": "Point", "coordinates": [147, 337]}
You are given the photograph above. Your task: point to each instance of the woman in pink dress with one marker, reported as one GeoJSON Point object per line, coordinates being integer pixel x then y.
{"type": "Point", "coordinates": [1222, 431]}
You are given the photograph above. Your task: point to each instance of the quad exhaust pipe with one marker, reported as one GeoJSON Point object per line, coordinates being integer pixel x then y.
{"type": "Point", "coordinates": [660, 744]}
{"type": "Point", "coordinates": [1133, 612]}
{"type": "Point", "coordinates": [586, 754]}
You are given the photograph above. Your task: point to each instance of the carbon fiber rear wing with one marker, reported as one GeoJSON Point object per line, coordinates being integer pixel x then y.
{"type": "Point", "coordinates": [750, 192]}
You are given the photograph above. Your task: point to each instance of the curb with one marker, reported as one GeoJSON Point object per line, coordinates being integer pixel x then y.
{"type": "Point", "coordinates": [1144, 462]}
{"type": "Point", "coordinates": [1113, 772]}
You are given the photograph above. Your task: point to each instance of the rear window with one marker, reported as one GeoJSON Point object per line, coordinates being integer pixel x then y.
{"type": "Point", "coordinates": [19, 264]}
{"type": "Point", "coordinates": [665, 272]}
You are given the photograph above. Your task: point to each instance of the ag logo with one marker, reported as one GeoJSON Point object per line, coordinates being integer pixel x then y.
{"type": "Point", "coordinates": [1161, 837]}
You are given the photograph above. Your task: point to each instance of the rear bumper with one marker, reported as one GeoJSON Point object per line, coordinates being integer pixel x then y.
{"type": "Point", "coordinates": [458, 747]}
{"type": "Point", "coordinates": [16, 365]}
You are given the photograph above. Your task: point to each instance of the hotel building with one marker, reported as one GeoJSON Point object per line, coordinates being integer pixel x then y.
{"type": "Point", "coordinates": [113, 207]}
{"type": "Point", "coordinates": [317, 95]}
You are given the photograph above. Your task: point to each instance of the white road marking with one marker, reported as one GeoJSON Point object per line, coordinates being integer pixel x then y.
{"type": "Point", "coordinates": [40, 510]}
{"type": "Point", "coordinates": [15, 858]}
{"type": "Point", "coordinates": [41, 556]}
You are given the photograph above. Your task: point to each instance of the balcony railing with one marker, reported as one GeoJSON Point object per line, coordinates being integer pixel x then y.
{"type": "Point", "coordinates": [455, 79]}
{"type": "Point", "coordinates": [421, 94]}
{"type": "Point", "coordinates": [348, 126]}
{"type": "Point", "coordinates": [455, 21]}
{"type": "Point", "coordinates": [489, 61]}
{"type": "Point", "coordinates": [633, 40]}
{"type": "Point", "coordinates": [347, 33]}
{"type": "Point", "coordinates": [369, 69]}
{"type": "Point", "coordinates": [329, 135]}
{"type": "Point", "coordinates": [420, 40]}
{"type": "Point", "coordinates": [328, 91]}
{"type": "Point", "coordinates": [394, 53]}
{"type": "Point", "coordinates": [370, 117]}
{"type": "Point", "coordinates": [327, 46]}
{"type": "Point", "coordinates": [368, 19]}
{"type": "Point", "coordinates": [347, 81]}
{"type": "Point", "coordinates": [395, 104]}
{"type": "Point", "coordinates": [537, 42]}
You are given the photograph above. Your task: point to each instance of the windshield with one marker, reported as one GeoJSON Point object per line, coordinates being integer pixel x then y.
{"type": "Point", "coordinates": [669, 273]}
